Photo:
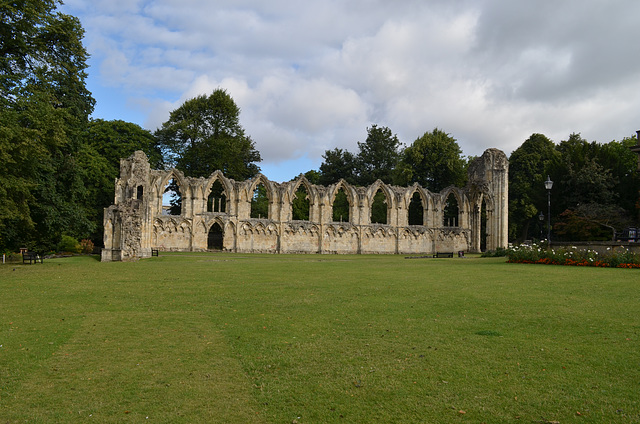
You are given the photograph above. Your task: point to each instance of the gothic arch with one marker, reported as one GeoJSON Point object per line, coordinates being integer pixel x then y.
{"type": "Point", "coordinates": [389, 200]}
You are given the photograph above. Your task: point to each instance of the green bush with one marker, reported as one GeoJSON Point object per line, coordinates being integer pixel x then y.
{"type": "Point", "coordinates": [69, 244]}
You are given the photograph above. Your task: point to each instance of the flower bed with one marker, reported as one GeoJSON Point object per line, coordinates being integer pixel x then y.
{"type": "Point", "coordinates": [535, 254]}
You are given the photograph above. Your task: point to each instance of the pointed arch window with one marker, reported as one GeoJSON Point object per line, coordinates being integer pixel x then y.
{"type": "Point", "coordinates": [260, 202]}
{"type": "Point", "coordinates": [340, 207]}
{"type": "Point", "coordinates": [379, 208]}
{"type": "Point", "coordinates": [217, 199]}
{"type": "Point", "coordinates": [172, 199]}
{"type": "Point", "coordinates": [300, 205]}
{"type": "Point", "coordinates": [451, 211]}
{"type": "Point", "coordinates": [416, 210]}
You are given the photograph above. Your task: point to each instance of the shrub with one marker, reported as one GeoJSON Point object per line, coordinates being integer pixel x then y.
{"type": "Point", "coordinates": [69, 244]}
{"type": "Point", "coordinates": [86, 246]}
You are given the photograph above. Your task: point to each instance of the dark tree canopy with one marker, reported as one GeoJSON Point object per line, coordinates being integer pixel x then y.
{"type": "Point", "coordinates": [337, 164]}
{"type": "Point", "coordinates": [44, 107]}
{"type": "Point", "coordinates": [594, 194]}
{"type": "Point", "coordinates": [529, 166]}
{"type": "Point", "coordinates": [204, 135]}
{"type": "Point", "coordinates": [376, 160]}
{"type": "Point", "coordinates": [104, 144]}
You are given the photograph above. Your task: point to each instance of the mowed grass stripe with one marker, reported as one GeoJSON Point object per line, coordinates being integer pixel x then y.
{"type": "Point", "coordinates": [133, 366]}
{"type": "Point", "coordinates": [315, 338]}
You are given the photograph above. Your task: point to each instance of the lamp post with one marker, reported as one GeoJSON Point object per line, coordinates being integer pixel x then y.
{"type": "Point", "coordinates": [548, 185]}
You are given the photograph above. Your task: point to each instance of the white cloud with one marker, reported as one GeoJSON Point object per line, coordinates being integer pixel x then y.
{"type": "Point", "coordinates": [311, 76]}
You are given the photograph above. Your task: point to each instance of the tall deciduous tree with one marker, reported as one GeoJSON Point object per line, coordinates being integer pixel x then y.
{"type": "Point", "coordinates": [44, 106]}
{"type": "Point", "coordinates": [376, 160]}
{"type": "Point", "coordinates": [434, 161]}
{"type": "Point", "coordinates": [337, 164]}
{"type": "Point", "coordinates": [104, 144]}
{"type": "Point", "coordinates": [378, 156]}
{"type": "Point", "coordinates": [529, 166]}
{"type": "Point", "coordinates": [204, 135]}
{"type": "Point", "coordinates": [596, 183]}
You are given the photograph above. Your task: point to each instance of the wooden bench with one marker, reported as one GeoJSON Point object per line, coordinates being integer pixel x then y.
{"type": "Point", "coordinates": [443, 255]}
{"type": "Point", "coordinates": [154, 252]}
{"type": "Point", "coordinates": [32, 257]}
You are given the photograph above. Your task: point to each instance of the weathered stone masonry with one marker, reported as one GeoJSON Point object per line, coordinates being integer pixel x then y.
{"type": "Point", "coordinates": [135, 224]}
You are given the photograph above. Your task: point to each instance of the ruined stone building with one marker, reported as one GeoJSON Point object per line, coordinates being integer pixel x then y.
{"type": "Point", "coordinates": [218, 213]}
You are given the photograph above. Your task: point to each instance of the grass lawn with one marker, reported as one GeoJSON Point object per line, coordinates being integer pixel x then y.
{"type": "Point", "coordinates": [234, 338]}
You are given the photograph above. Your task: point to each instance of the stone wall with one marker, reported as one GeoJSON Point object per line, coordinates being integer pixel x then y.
{"type": "Point", "coordinates": [137, 222]}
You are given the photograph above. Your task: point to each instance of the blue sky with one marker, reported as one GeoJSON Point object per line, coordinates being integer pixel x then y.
{"type": "Point", "coordinates": [311, 76]}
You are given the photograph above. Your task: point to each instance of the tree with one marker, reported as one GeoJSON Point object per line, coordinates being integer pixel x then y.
{"type": "Point", "coordinates": [338, 164]}
{"type": "Point", "coordinates": [623, 164]}
{"type": "Point", "coordinates": [597, 184]}
{"type": "Point", "coordinates": [378, 156]}
{"type": "Point", "coordinates": [434, 161]}
{"type": "Point", "coordinates": [204, 135]}
{"type": "Point", "coordinates": [529, 166]}
{"type": "Point", "coordinates": [44, 106]}
{"type": "Point", "coordinates": [104, 144]}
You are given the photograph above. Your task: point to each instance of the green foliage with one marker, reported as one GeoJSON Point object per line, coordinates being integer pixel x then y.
{"type": "Point", "coordinates": [104, 144]}
{"type": "Point", "coordinates": [204, 135]}
{"type": "Point", "coordinates": [529, 166]}
{"type": "Point", "coordinates": [378, 156]}
{"type": "Point", "coordinates": [44, 107]}
{"type": "Point", "coordinates": [338, 164]}
{"type": "Point", "coordinates": [69, 244]}
{"type": "Point", "coordinates": [379, 208]}
{"type": "Point", "coordinates": [300, 204]}
{"type": "Point", "coordinates": [434, 161]}
{"type": "Point", "coordinates": [341, 207]}
{"type": "Point", "coordinates": [416, 210]}
{"type": "Point", "coordinates": [260, 202]}
{"type": "Point", "coordinates": [175, 197]}
{"type": "Point", "coordinates": [376, 160]}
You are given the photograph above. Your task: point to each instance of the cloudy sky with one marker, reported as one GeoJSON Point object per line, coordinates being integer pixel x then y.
{"type": "Point", "coordinates": [313, 75]}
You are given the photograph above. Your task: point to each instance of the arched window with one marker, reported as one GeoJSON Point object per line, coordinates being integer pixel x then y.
{"type": "Point", "coordinates": [260, 202]}
{"type": "Point", "coordinates": [172, 199]}
{"type": "Point", "coordinates": [379, 208]}
{"type": "Point", "coordinates": [139, 192]}
{"type": "Point", "coordinates": [416, 210]}
{"type": "Point", "coordinates": [300, 205]}
{"type": "Point", "coordinates": [341, 207]}
{"type": "Point", "coordinates": [217, 199]}
{"type": "Point", "coordinates": [451, 211]}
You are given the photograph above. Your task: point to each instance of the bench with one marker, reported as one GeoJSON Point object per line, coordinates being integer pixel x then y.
{"type": "Point", "coordinates": [443, 255]}
{"type": "Point", "coordinates": [32, 257]}
{"type": "Point", "coordinates": [154, 252]}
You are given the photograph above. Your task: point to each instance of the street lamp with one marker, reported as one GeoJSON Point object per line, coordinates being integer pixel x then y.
{"type": "Point", "coordinates": [548, 185]}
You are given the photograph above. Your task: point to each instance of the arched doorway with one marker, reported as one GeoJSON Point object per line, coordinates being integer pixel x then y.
{"type": "Point", "coordinates": [215, 238]}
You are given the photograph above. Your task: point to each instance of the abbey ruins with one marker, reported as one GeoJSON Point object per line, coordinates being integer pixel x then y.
{"type": "Point", "coordinates": [216, 214]}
